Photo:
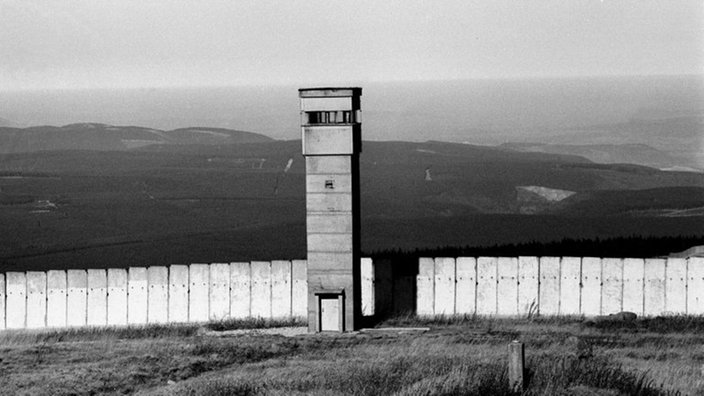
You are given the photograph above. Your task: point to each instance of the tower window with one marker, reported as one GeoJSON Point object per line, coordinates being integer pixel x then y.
{"type": "Point", "coordinates": [329, 117]}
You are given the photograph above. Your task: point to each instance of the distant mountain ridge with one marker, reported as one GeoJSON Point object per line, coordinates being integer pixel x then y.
{"type": "Point", "coordinates": [660, 143]}
{"type": "Point", "coordinates": [104, 137]}
{"type": "Point", "coordinates": [629, 153]}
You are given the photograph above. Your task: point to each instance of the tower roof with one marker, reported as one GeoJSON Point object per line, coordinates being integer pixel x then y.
{"type": "Point", "coordinates": [321, 92]}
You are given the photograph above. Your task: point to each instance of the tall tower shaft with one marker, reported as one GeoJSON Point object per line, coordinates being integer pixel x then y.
{"type": "Point", "coordinates": [332, 141]}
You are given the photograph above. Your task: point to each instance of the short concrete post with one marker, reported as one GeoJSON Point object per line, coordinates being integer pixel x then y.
{"type": "Point", "coordinates": [516, 362]}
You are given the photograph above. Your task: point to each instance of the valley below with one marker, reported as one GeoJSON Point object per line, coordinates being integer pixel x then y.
{"type": "Point", "coordinates": [218, 201]}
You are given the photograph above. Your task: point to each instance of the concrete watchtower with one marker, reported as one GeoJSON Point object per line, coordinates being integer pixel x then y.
{"type": "Point", "coordinates": [332, 141]}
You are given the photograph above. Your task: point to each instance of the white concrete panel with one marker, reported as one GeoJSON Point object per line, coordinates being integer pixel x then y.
{"type": "Point", "coordinates": [326, 104]}
{"type": "Point", "coordinates": [198, 302]}
{"type": "Point", "coordinates": [3, 294]}
{"type": "Point", "coordinates": [327, 164]}
{"type": "Point", "coordinates": [612, 288]}
{"type": "Point", "coordinates": [178, 293]}
{"type": "Point", "coordinates": [36, 299]}
{"type": "Point", "coordinates": [76, 300]}
{"type": "Point", "coordinates": [240, 297]}
{"type": "Point", "coordinates": [299, 289]}
{"type": "Point", "coordinates": [334, 140]}
{"type": "Point", "coordinates": [16, 300]}
{"type": "Point", "coordinates": [676, 286]}
{"type": "Point", "coordinates": [654, 287]}
{"type": "Point", "coordinates": [330, 261]}
{"type": "Point", "coordinates": [466, 287]}
{"type": "Point", "coordinates": [261, 289]}
{"type": "Point", "coordinates": [444, 286]}
{"type": "Point", "coordinates": [570, 276]}
{"type": "Point", "coordinates": [137, 295]}
{"type": "Point", "coordinates": [56, 299]}
{"type": "Point", "coordinates": [219, 291]}
{"type": "Point", "coordinates": [486, 285]}
{"type": "Point", "coordinates": [633, 277]}
{"type": "Point", "coordinates": [329, 242]}
{"type": "Point", "coordinates": [507, 287]}
{"type": "Point", "coordinates": [97, 297]}
{"type": "Point", "coordinates": [340, 222]}
{"type": "Point", "coordinates": [549, 286]}
{"type": "Point", "coordinates": [528, 271]}
{"type": "Point", "coordinates": [158, 298]}
{"type": "Point", "coordinates": [425, 287]}
{"type": "Point", "coordinates": [280, 289]}
{"type": "Point", "coordinates": [329, 203]}
{"type": "Point", "coordinates": [695, 286]}
{"type": "Point", "coordinates": [367, 275]}
{"type": "Point", "coordinates": [117, 296]}
{"type": "Point", "coordinates": [591, 286]}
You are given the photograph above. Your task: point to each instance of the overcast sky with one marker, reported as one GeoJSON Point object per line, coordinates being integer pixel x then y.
{"type": "Point", "coordinates": [155, 43]}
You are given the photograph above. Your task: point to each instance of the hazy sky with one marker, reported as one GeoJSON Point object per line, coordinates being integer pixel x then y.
{"type": "Point", "coordinates": [147, 43]}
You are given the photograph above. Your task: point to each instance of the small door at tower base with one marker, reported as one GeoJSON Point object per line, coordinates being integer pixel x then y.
{"type": "Point", "coordinates": [330, 310]}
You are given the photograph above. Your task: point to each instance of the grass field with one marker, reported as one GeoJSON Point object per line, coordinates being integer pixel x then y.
{"type": "Point", "coordinates": [457, 356]}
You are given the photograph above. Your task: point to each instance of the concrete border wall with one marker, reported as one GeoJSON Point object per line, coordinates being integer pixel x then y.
{"type": "Point", "coordinates": [589, 286]}
{"type": "Point", "coordinates": [492, 286]}
{"type": "Point", "coordinates": [142, 295]}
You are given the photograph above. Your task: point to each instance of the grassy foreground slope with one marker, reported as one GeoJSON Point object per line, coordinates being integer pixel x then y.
{"type": "Point", "coordinates": [457, 356]}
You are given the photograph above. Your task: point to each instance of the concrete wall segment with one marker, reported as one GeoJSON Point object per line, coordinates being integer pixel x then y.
{"type": "Point", "coordinates": [137, 295]}
{"type": "Point", "coordinates": [466, 288]}
{"type": "Point", "coordinates": [158, 294]}
{"type": "Point", "coordinates": [199, 299]}
{"type": "Point", "coordinates": [178, 293]}
{"type": "Point", "coordinates": [36, 299]}
{"type": "Point", "coordinates": [549, 286]}
{"type": "Point", "coordinates": [117, 296]}
{"type": "Point", "coordinates": [219, 291]}
{"type": "Point", "coordinates": [97, 298]}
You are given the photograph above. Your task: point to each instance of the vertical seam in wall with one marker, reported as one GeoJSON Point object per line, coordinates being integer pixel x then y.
{"type": "Point", "coordinates": [476, 284]}
{"type": "Point", "coordinates": [188, 293]}
{"type": "Point", "coordinates": [148, 288]}
{"type": "Point", "coordinates": [271, 290]}
{"type": "Point", "coordinates": [4, 300]}
{"type": "Point", "coordinates": [642, 302]}
{"type": "Point", "coordinates": [290, 288]}
{"type": "Point", "coordinates": [229, 290]}
{"type": "Point", "coordinates": [65, 298]}
{"type": "Point", "coordinates": [540, 274]}
{"type": "Point", "coordinates": [686, 286]}
{"type": "Point", "coordinates": [560, 263]}
{"type": "Point", "coordinates": [85, 298]}
{"type": "Point", "coordinates": [106, 297]}
{"type": "Point", "coordinates": [26, 299]}
{"type": "Point", "coordinates": [496, 287]}
{"type": "Point", "coordinates": [251, 281]}
{"type": "Point", "coordinates": [168, 293]}
{"type": "Point", "coordinates": [454, 286]}
{"type": "Point", "coordinates": [127, 297]}
{"type": "Point", "coordinates": [432, 281]}
{"type": "Point", "coordinates": [516, 284]}
{"type": "Point", "coordinates": [623, 282]}
{"type": "Point", "coordinates": [665, 286]}
{"type": "Point", "coordinates": [581, 288]}
{"type": "Point", "coordinates": [601, 285]}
